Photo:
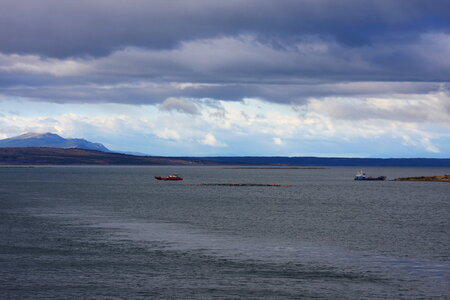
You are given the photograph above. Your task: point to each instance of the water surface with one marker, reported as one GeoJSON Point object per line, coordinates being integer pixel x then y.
{"type": "Point", "coordinates": [114, 232]}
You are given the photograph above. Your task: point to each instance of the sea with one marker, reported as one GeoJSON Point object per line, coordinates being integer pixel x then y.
{"type": "Point", "coordinates": [83, 232]}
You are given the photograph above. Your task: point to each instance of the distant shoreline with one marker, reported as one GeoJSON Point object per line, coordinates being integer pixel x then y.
{"type": "Point", "coordinates": [444, 178]}
{"type": "Point", "coordinates": [276, 168]}
{"type": "Point", "coordinates": [22, 167]}
{"type": "Point", "coordinates": [75, 156]}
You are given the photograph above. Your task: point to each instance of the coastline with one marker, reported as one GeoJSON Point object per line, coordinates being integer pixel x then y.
{"type": "Point", "coordinates": [444, 178]}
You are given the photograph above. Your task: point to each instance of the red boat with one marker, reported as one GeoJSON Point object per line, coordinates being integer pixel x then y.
{"type": "Point", "coordinates": [170, 177]}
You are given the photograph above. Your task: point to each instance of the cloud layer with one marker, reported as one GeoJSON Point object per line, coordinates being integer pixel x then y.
{"type": "Point", "coordinates": [97, 28]}
{"type": "Point", "coordinates": [229, 69]}
{"type": "Point", "coordinates": [255, 127]}
{"type": "Point", "coordinates": [332, 65]}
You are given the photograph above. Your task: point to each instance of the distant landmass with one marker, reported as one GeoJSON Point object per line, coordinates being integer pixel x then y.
{"type": "Point", "coordinates": [52, 149]}
{"type": "Point", "coordinates": [49, 140]}
{"type": "Point", "coordinates": [328, 161]}
{"type": "Point", "coordinates": [74, 156]}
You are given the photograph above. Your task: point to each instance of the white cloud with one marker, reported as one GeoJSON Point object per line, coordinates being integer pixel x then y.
{"type": "Point", "coordinates": [211, 140]}
{"type": "Point", "coordinates": [168, 134]}
{"type": "Point", "coordinates": [422, 142]}
{"type": "Point", "coordinates": [433, 108]}
{"type": "Point", "coordinates": [277, 141]}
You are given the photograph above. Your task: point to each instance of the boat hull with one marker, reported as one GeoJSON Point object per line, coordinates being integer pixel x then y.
{"type": "Point", "coordinates": [380, 178]}
{"type": "Point", "coordinates": [168, 178]}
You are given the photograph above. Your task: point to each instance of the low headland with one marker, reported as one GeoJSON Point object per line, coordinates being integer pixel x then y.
{"type": "Point", "coordinates": [74, 156]}
{"type": "Point", "coordinates": [444, 178]}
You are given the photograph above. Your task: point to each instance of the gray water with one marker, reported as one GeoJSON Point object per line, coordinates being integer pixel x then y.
{"type": "Point", "coordinates": [115, 233]}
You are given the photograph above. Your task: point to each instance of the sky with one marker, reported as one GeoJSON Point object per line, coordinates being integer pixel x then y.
{"type": "Point", "coordinates": [345, 78]}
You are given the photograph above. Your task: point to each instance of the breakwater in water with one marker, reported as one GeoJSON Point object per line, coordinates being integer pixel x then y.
{"type": "Point", "coordinates": [243, 184]}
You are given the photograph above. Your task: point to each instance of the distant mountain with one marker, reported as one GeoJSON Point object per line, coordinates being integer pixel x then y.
{"type": "Point", "coordinates": [50, 140]}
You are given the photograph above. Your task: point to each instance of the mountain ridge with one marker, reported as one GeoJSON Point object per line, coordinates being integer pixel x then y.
{"type": "Point", "coordinates": [49, 140]}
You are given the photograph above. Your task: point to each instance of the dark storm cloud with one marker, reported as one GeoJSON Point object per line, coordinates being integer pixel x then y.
{"type": "Point", "coordinates": [143, 52]}
{"type": "Point", "coordinates": [75, 28]}
{"type": "Point", "coordinates": [154, 93]}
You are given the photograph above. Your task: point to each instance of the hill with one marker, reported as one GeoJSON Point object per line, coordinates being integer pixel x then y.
{"type": "Point", "coordinates": [58, 156]}
{"type": "Point", "coordinates": [49, 140]}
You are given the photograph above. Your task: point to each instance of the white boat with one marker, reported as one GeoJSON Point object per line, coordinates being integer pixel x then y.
{"type": "Point", "coordinates": [362, 176]}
